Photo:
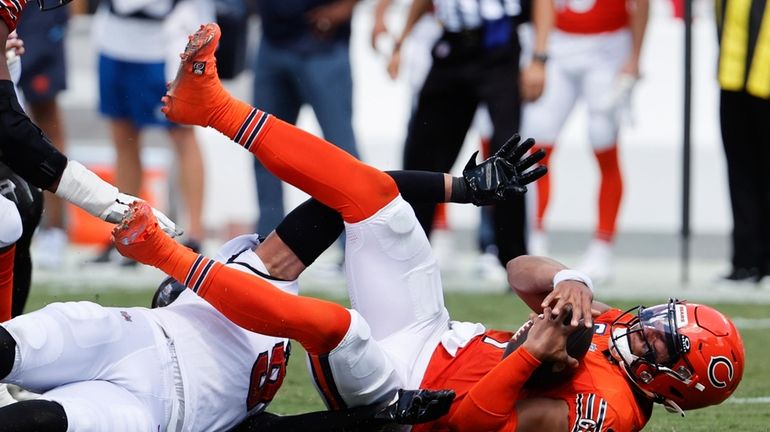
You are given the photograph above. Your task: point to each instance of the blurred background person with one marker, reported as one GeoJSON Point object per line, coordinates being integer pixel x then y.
{"type": "Point", "coordinates": [744, 78]}
{"type": "Point", "coordinates": [413, 62]}
{"type": "Point", "coordinates": [43, 77]}
{"type": "Point", "coordinates": [475, 61]}
{"type": "Point", "coordinates": [593, 55]}
{"type": "Point", "coordinates": [303, 58]}
{"type": "Point", "coordinates": [134, 45]}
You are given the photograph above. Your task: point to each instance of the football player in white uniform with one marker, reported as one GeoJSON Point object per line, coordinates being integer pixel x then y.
{"type": "Point", "coordinates": [180, 367]}
{"type": "Point", "coordinates": [187, 366]}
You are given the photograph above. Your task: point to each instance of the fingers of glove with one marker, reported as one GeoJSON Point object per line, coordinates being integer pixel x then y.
{"type": "Point", "coordinates": [532, 175]}
{"type": "Point", "coordinates": [509, 147]}
{"type": "Point", "coordinates": [166, 224]}
{"type": "Point", "coordinates": [530, 160]}
{"type": "Point", "coordinates": [114, 213]}
{"type": "Point", "coordinates": [522, 149]}
{"type": "Point", "coordinates": [471, 162]}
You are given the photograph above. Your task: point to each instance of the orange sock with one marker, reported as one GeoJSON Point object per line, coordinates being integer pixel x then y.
{"type": "Point", "coordinates": [543, 188]}
{"type": "Point", "coordinates": [230, 115]}
{"type": "Point", "coordinates": [610, 193]}
{"type": "Point", "coordinates": [6, 282]}
{"type": "Point", "coordinates": [253, 303]}
{"type": "Point", "coordinates": [328, 173]}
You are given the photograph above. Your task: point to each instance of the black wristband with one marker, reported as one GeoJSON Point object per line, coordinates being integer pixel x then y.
{"type": "Point", "coordinates": [419, 186]}
{"type": "Point", "coordinates": [460, 192]}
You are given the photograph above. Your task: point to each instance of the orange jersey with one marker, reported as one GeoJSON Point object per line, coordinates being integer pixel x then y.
{"type": "Point", "coordinates": [591, 16]}
{"type": "Point", "coordinates": [462, 371]}
{"type": "Point", "coordinates": [599, 395]}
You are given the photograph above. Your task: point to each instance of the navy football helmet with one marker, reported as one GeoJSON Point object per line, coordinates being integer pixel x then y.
{"type": "Point", "coordinates": [167, 292]}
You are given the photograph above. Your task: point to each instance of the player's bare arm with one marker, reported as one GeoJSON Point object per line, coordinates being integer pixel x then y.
{"type": "Point", "coordinates": [639, 12]}
{"type": "Point", "coordinates": [532, 80]}
{"type": "Point", "coordinates": [532, 278]}
{"type": "Point", "coordinates": [417, 9]}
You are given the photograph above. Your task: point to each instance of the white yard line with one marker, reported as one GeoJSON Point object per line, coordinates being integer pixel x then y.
{"type": "Point", "coordinates": [749, 400]}
{"type": "Point", "coordinates": [752, 323]}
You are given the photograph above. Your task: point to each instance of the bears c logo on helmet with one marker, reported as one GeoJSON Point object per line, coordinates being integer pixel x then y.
{"type": "Point", "coordinates": [713, 364]}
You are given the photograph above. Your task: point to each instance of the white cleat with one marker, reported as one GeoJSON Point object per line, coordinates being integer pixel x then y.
{"type": "Point", "coordinates": [50, 248]}
{"type": "Point", "coordinates": [537, 243]}
{"type": "Point", "coordinates": [488, 269]}
{"type": "Point", "coordinates": [597, 262]}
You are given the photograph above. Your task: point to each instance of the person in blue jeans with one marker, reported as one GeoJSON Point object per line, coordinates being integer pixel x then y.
{"type": "Point", "coordinates": [303, 58]}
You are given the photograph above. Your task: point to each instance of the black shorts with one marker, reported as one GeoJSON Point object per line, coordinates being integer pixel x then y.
{"type": "Point", "coordinates": [43, 71]}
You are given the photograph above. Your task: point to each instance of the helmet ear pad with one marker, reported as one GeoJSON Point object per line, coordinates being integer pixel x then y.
{"type": "Point", "coordinates": [167, 292]}
{"type": "Point", "coordinates": [550, 374]}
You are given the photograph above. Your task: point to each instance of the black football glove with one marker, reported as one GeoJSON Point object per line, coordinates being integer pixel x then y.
{"type": "Point", "coordinates": [504, 174]}
{"type": "Point", "coordinates": [418, 406]}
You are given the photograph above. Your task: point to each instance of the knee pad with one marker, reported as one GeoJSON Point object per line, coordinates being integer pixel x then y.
{"type": "Point", "coordinates": [10, 223]}
{"type": "Point", "coordinates": [102, 406]}
{"type": "Point", "coordinates": [357, 371]}
{"type": "Point", "coordinates": [39, 342]}
{"type": "Point", "coordinates": [23, 146]}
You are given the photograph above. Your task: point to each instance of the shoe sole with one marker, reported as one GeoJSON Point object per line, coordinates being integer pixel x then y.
{"type": "Point", "coordinates": [195, 43]}
{"type": "Point", "coordinates": [199, 40]}
{"type": "Point", "coordinates": [134, 225]}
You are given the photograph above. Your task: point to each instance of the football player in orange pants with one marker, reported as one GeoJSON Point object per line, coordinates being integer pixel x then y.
{"type": "Point", "coordinates": [399, 330]}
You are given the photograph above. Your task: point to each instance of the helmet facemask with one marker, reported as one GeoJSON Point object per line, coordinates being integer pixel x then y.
{"type": "Point", "coordinates": [660, 350]}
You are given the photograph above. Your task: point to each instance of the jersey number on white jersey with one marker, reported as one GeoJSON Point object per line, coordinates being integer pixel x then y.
{"type": "Point", "coordinates": [266, 377]}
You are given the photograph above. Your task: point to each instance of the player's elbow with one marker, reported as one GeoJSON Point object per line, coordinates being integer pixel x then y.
{"type": "Point", "coordinates": [520, 271]}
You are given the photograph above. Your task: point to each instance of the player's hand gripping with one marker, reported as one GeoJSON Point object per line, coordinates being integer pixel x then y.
{"type": "Point", "coordinates": [504, 174]}
{"type": "Point", "coordinates": [572, 294]}
{"type": "Point", "coordinates": [547, 338]}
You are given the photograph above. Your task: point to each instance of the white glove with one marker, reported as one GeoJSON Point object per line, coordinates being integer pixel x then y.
{"type": "Point", "coordinates": [618, 100]}
{"type": "Point", "coordinates": [115, 211]}
{"type": "Point", "coordinates": [82, 187]}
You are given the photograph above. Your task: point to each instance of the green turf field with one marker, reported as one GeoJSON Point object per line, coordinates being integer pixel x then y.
{"type": "Point", "coordinates": [746, 412]}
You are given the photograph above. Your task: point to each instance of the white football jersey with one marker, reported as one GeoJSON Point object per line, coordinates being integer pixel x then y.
{"type": "Point", "coordinates": [227, 372]}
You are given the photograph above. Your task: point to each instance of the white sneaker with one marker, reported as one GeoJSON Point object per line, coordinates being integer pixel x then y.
{"type": "Point", "coordinates": [50, 247]}
{"type": "Point", "coordinates": [5, 397]}
{"type": "Point", "coordinates": [443, 243]}
{"type": "Point", "coordinates": [537, 243]}
{"type": "Point", "coordinates": [488, 269]}
{"type": "Point", "coordinates": [597, 261]}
